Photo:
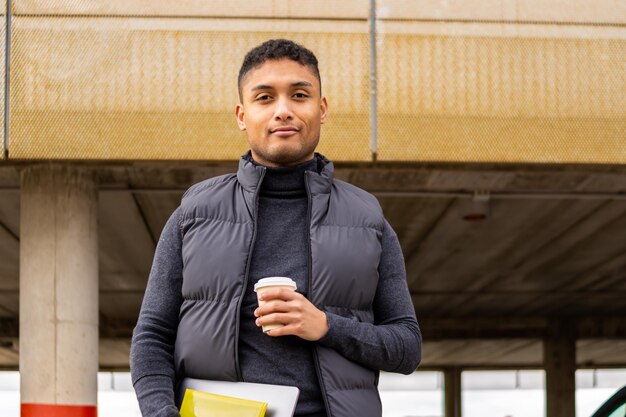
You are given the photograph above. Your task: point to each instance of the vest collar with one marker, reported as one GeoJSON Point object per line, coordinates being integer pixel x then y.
{"type": "Point", "coordinates": [321, 183]}
{"type": "Point", "coordinates": [249, 175]}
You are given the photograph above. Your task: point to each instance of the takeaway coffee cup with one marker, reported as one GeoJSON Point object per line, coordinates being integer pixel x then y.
{"type": "Point", "coordinates": [265, 284]}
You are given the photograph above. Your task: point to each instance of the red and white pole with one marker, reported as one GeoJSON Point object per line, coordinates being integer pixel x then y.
{"type": "Point", "coordinates": [58, 292]}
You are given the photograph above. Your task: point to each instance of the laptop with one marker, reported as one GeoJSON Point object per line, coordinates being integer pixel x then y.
{"type": "Point", "coordinates": [281, 400]}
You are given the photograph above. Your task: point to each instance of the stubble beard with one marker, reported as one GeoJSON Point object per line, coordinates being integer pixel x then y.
{"type": "Point", "coordinates": [286, 155]}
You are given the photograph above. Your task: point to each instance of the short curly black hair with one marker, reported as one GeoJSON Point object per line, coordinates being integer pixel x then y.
{"type": "Point", "coordinates": [276, 49]}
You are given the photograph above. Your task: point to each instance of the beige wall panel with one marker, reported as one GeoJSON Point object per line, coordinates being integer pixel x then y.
{"type": "Point", "coordinates": [577, 11]}
{"type": "Point", "coordinates": [498, 99]}
{"type": "Point", "coordinates": [500, 30]}
{"type": "Point", "coordinates": [441, 9]}
{"type": "Point", "coordinates": [521, 140]}
{"type": "Point", "coordinates": [164, 89]}
{"type": "Point", "coordinates": [561, 11]}
{"type": "Point", "coordinates": [325, 9]}
{"type": "Point", "coordinates": [502, 77]}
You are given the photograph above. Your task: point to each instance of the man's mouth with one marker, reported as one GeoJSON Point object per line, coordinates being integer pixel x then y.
{"type": "Point", "coordinates": [284, 131]}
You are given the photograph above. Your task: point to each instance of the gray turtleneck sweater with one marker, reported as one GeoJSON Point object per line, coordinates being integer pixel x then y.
{"type": "Point", "coordinates": [280, 250]}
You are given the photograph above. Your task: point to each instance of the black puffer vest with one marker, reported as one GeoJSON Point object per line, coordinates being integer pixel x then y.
{"type": "Point", "coordinates": [218, 225]}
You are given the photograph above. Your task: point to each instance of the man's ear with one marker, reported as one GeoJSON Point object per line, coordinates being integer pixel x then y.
{"type": "Point", "coordinates": [239, 115]}
{"type": "Point", "coordinates": [324, 107]}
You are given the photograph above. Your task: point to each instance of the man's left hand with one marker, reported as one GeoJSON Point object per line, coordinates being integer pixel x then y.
{"type": "Point", "coordinates": [298, 315]}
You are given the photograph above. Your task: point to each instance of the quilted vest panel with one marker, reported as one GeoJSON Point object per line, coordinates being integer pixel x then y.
{"type": "Point", "coordinates": [217, 223]}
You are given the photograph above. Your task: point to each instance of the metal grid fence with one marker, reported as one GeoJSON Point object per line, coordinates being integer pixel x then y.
{"type": "Point", "coordinates": [90, 83]}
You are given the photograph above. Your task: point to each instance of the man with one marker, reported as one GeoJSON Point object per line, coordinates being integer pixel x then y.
{"type": "Point", "coordinates": [282, 214]}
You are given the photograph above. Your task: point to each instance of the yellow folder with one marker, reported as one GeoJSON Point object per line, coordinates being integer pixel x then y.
{"type": "Point", "coordinates": [204, 404]}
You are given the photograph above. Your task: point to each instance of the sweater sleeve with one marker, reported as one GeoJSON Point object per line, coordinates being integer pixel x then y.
{"type": "Point", "coordinates": [394, 342]}
{"type": "Point", "coordinates": [152, 346]}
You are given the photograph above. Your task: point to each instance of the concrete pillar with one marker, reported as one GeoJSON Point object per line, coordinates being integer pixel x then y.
{"type": "Point", "coordinates": [559, 355]}
{"type": "Point", "coordinates": [58, 292]}
{"type": "Point", "coordinates": [452, 392]}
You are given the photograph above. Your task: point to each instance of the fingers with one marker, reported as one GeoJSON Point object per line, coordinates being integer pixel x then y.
{"type": "Point", "coordinates": [292, 325]}
{"type": "Point", "coordinates": [294, 311]}
{"type": "Point", "coordinates": [279, 293]}
{"type": "Point", "coordinates": [276, 306]}
{"type": "Point", "coordinates": [279, 318]}
{"type": "Point", "coordinates": [310, 330]}
{"type": "Point", "coordinates": [280, 301]}
{"type": "Point", "coordinates": [286, 330]}
{"type": "Point", "coordinates": [298, 319]}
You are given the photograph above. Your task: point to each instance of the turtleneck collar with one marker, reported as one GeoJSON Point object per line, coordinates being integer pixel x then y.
{"type": "Point", "coordinates": [287, 182]}
{"type": "Point", "coordinates": [249, 174]}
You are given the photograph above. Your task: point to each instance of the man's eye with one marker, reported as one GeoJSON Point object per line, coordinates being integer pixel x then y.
{"type": "Point", "coordinates": [263, 97]}
{"type": "Point", "coordinates": [300, 95]}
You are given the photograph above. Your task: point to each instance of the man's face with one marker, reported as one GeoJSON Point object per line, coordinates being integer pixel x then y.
{"type": "Point", "coordinates": [282, 112]}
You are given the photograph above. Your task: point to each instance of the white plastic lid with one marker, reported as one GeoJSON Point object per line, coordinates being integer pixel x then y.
{"type": "Point", "coordinates": [274, 281]}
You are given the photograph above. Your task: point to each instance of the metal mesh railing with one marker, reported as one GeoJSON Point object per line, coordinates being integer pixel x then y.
{"type": "Point", "coordinates": [88, 82]}
{"type": "Point", "coordinates": [160, 89]}
{"type": "Point", "coordinates": [503, 99]}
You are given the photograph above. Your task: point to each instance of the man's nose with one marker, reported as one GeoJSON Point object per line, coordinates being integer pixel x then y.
{"type": "Point", "coordinates": [283, 110]}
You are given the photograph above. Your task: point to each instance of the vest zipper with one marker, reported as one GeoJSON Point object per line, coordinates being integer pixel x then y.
{"type": "Point", "coordinates": [310, 288]}
{"type": "Point", "coordinates": [245, 277]}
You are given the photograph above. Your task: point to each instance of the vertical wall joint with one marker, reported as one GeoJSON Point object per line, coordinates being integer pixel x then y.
{"type": "Point", "coordinates": [7, 66]}
{"type": "Point", "coordinates": [373, 75]}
